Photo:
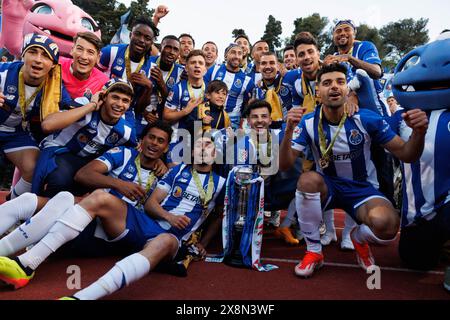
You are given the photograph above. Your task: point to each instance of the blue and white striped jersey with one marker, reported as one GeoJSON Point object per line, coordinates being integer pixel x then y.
{"type": "Point", "coordinates": [178, 99]}
{"type": "Point", "coordinates": [240, 87]}
{"type": "Point", "coordinates": [367, 51]}
{"type": "Point", "coordinates": [156, 105]}
{"type": "Point", "coordinates": [351, 156]}
{"type": "Point", "coordinates": [284, 94]}
{"type": "Point", "coordinates": [251, 72]}
{"type": "Point", "coordinates": [183, 198]}
{"type": "Point", "coordinates": [91, 137]}
{"type": "Point", "coordinates": [426, 183]}
{"type": "Point", "coordinates": [10, 113]}
{"type": "Point", "coordinates": [121, 164]}
{"type": "Point", "coordinates": [112, 61]}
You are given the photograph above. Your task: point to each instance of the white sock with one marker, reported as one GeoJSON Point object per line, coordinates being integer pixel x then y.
{"type": "Point", "coordinates": [66, 228]}
{"type": "Point", "coordinates": [125, 272]}
{"type": "Point", "coordinates": [290, 217]}
{"type": "Point", "coordinates": [328, 219]}
{"type": "Point", "coordinates": [363, 234]}
{"type": "Point", "coordinates": [18, 209]}
{"type": "Point", "coordinates": [38, 226]}
{"type": "Point", "coordinates": [309, 213]}
{"type": "Point", "coordinates": [20, 188]}
{"type": "Point", "coordinates": [349, 224]}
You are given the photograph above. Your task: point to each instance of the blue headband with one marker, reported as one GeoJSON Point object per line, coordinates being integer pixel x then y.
{"type": "Point", "coordinates": [341, 22]}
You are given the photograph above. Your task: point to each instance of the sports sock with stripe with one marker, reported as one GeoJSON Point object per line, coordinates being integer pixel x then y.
{"type": "Point", "coordinates": [125, 272]}
{"type": "Point", "coordinates": [309, 213]}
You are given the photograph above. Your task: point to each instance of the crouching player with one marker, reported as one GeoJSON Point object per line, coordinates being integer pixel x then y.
{"type": "Point", "coordinates": [346, 176]}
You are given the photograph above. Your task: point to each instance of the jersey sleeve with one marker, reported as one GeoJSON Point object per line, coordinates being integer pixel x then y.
{"type": "Point", "coordinates": [395, 120]}
{"type": "Point", "coordinates": [167, 181]}
{"type": "Point", "coordinates": [208, 76]}
{"type": "Point", "coordinates": [67, 102]}
{"type": "Point", "coordinates": [378, 128]}
{"type": "Point", "coordinates": [105, 56]}
{"type": "Point", "coordinates": [369, 53]}
{"type": "Point", "coordinates": [300, 137]}
{"type": "Point", "coordinates": [112, 158]}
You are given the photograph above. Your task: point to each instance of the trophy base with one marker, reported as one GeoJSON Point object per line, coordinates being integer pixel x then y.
{"type": "Point", "coordinates": [234, 259]}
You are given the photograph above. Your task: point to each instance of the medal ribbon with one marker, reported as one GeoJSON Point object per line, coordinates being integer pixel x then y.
{"type": "Point", "coordinates": [191, 91]}
{"type": "Point", "coordinates": [150, 180]}
{"type": "Point", "coordinates": [158, 63]}
{"type": "Point", "coordinates": [322, 139]}
{"type": "Point", "coordinates": [23, 102]}
{"type": "Point", "coordinates": [128, 63]}
{"type": "Point", "coordinates": [205, 198]}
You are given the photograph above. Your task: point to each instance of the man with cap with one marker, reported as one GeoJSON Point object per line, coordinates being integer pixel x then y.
{"type": "Point", "coordinates": [81, 135]}
{"type": "Point", "coordinates": [30, 90]}
{"type": "Point", "coordinates": [240, 86]}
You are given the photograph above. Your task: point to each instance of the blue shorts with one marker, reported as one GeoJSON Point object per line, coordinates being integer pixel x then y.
{"type": "Point", "coordinates": [141, 228]}
{"type": "Point", "coordinates": [16, 141]}
{"type": "Point", "coordinates": [349, 195]}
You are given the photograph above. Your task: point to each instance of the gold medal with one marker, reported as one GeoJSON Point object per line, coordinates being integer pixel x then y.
{"type": "Point", "coordinates": [23, 102]}
{"type": "Point", "coordinates": [324, 163]}
{"type": "Point", "coordinates": [24, 125]}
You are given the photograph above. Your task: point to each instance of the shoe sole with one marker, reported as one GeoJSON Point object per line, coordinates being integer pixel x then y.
{"type": "Point", "coordinates": [447, 287]}
{"type": "Point", "coordinates": [316, 268]}
{"type": "Point", "coordinates": [14, 283]}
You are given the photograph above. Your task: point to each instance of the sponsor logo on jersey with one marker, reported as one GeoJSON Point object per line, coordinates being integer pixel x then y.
{"type": "Point", "coordinates": [177, 192]}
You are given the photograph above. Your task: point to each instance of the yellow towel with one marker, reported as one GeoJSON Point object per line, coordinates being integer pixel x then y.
{"type": "Point", "coordinates": [310, 100]}
{"type": "Point", "coordinates": [52, 93]}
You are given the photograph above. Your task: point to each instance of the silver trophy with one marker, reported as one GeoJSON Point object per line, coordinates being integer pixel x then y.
{"type": "Point", "coordinates": [243, 177]}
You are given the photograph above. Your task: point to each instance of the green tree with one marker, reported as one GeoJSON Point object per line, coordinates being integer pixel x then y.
{"type": "Point", "coordinates": [367, 33]}
{"type": "Point", "coordinates": [107, 13]}
{"type": "Point", "coordinates": [404, 35]}
{"type": "Point", "coordinates": [316, 25]}
{"type": "Point", "coordinates": [273, 33]}
{"type": "Point", "coordinates": [238, 32]}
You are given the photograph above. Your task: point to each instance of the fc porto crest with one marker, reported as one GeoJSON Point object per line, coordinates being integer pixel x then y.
{"type": "Point", "coordinates": [284, 91]}
{"type": "Point", "coordinates": [120, 61]}
{"type": "Point", "coordinates": [170, 82]}
{"type": "Point", "coordinates": [113, 138]}
{"type": "Point", "coordinates": [238, 83]}
{"type": "Point", "coordinates": [355, 137]}
{"type": "Point", "coordinates": [11, 89]}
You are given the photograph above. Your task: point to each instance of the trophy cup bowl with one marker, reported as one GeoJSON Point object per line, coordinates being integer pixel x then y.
{"type": "Point", "coordinates": [243, 177]}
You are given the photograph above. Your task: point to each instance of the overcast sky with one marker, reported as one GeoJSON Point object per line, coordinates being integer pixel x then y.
{"type": "Point", "coordinates": [215, 19]}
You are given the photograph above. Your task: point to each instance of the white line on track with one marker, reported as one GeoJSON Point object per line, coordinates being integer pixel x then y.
{"type": "Point", "coordinates": [355, 266]}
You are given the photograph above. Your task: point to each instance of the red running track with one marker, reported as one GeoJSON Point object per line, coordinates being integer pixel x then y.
{"type": "Point", "coordinates": [340, 279]}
